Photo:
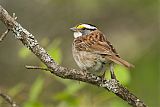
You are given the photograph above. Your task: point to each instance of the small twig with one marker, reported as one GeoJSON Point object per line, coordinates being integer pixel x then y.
{"type": "Point", "coordinates": [4, 35]}
{"type": "Point", "coordinates": [7, 31]}
{"type": "Point", "coordinates": [37, 67]}
{"type": "Point", "coordinates": [8, 99]}
{"type": "Point", "coordinates": [14, 16]}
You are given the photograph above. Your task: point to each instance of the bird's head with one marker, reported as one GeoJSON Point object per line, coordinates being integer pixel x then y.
{"type": "Point", "coordinates": [82, 29]}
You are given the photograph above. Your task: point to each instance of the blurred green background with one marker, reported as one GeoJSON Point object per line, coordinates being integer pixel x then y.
{"type": "Point", "coordinates": [131, 25]}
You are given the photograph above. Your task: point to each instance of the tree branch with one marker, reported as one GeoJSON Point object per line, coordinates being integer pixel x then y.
{"type": "Point", "coordinates": [67, 73]}
{"type": "Point", "coordinates": [8, 99]}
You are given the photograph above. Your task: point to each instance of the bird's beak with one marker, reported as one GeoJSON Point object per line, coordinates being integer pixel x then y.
{"type": "Point", "coordinates": [73, 29]}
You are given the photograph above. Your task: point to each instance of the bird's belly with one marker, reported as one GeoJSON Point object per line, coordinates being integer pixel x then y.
{"type": "Point", "coordinates": [98, 68]}
{"type": "Point", "coordinates": [91, 62]}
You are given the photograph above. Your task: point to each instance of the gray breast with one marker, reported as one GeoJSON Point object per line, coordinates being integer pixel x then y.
{"type": "Point", "coordinates": [91, 62]}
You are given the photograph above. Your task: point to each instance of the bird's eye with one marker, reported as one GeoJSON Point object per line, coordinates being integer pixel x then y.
{"type": "Point", "coordinates": [84, 28]}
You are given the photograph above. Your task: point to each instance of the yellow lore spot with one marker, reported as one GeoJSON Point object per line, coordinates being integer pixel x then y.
{"type": "Point", "coordinates": [80, 27]}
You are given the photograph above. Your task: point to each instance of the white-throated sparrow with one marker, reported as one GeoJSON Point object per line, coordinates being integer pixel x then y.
{"type": "Point", "coordinates": [93, 52]}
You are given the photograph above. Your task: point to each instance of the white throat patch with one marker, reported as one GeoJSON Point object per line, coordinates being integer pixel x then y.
{"type": "Point", "coordinates": [77, 34]}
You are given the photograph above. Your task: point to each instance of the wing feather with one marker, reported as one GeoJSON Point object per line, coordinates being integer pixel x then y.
{"type": "Point", "coordinates": [96, 43]}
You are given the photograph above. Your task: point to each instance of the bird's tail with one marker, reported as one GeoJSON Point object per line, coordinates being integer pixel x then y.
{"type": "Point", "coordinates": [120, 61]}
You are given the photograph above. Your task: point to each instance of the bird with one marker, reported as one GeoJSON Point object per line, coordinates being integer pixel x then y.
{"type": "Point", "coordinates": [93, 52]}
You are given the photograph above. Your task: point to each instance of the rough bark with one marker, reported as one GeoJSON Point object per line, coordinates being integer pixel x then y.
{"type": "Point", "coordinates": [66, 73]}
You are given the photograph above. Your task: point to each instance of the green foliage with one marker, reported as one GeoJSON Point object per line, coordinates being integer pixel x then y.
{"type": "Point", "coordinates": [69, 95]}
{"type": "Point", "coordinates": [24, 52]}
{"type": "Point", "coordinates": [34, 93]}
{"type": "Point", "coordinates": [122, 74]}
{"type": "Point", "coordinates": [16, 90]}
{"type": "Point", "coordinates": [36, 89]}
{"type": "Point", "coordinates": [54, 50]}
{"type": "Point", "coordinates": [114, 103]}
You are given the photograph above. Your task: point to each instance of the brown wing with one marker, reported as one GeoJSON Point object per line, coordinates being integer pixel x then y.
{"type": "Point", "coordinates": [96, 43]}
